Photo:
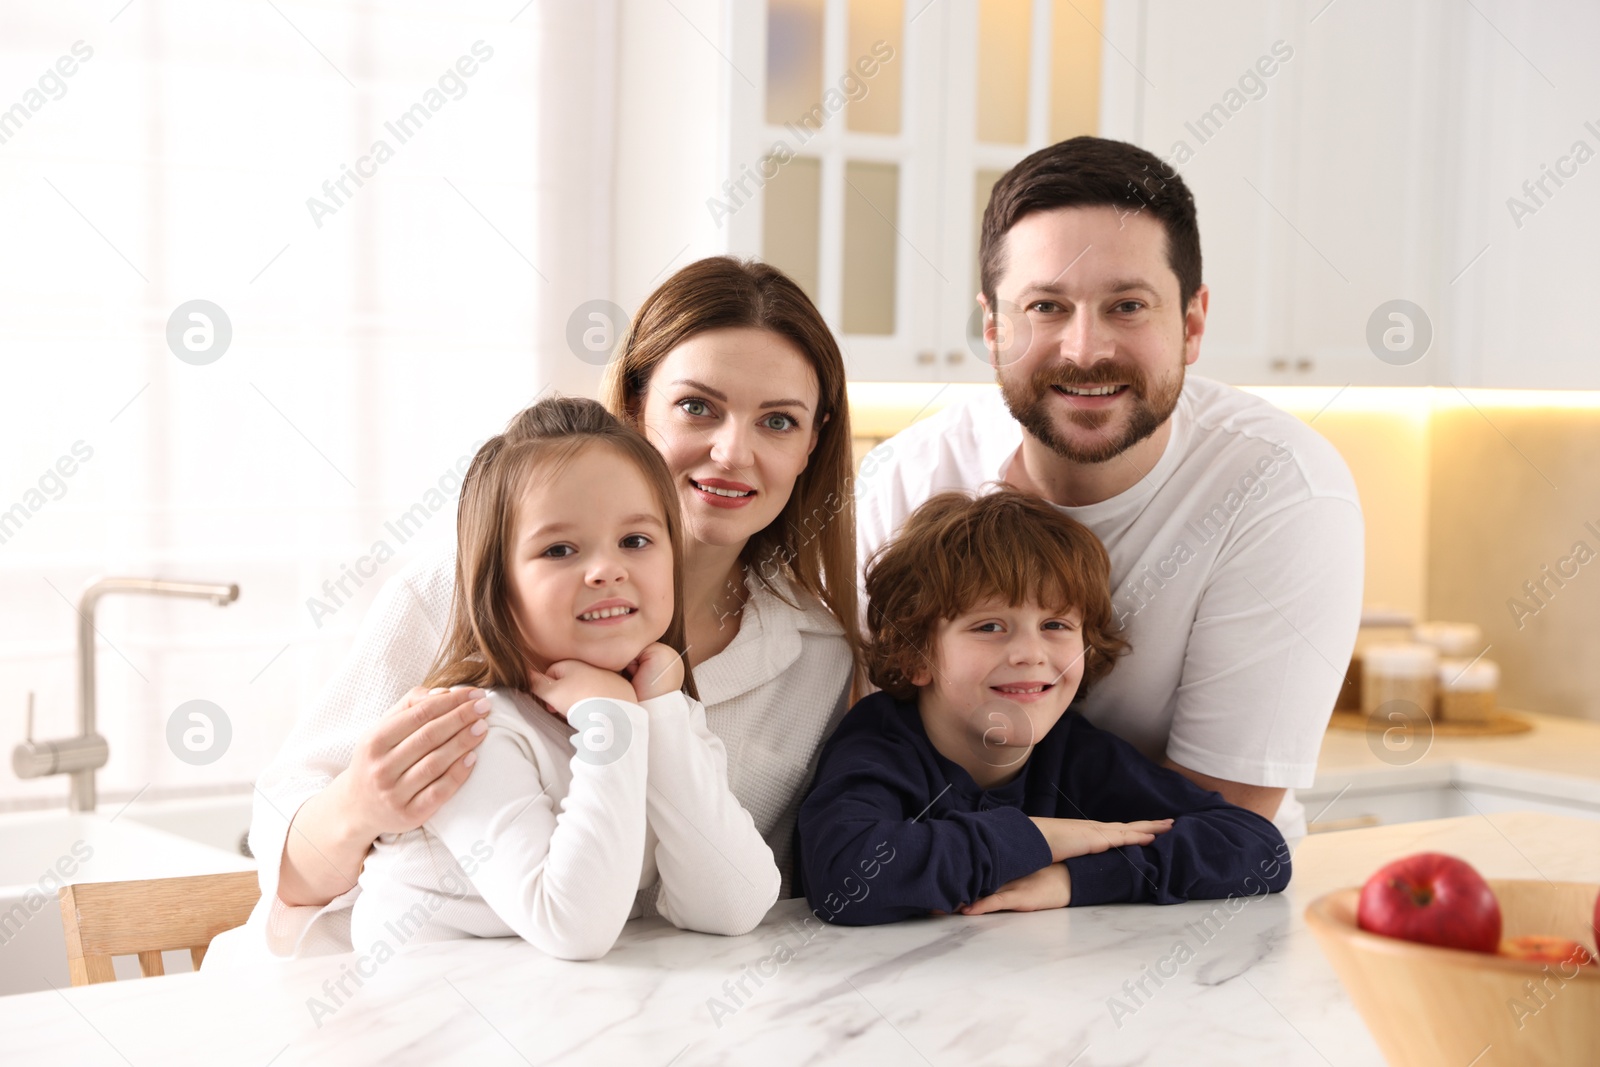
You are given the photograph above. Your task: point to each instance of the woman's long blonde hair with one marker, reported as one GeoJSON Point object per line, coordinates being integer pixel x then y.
{"type": "Point", "coordinates": [483, 645]}
{"type": "Point", "coordinates": [812, 541]}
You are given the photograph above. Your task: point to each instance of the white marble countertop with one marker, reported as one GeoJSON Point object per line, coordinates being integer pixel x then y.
{"type": "Point", "coordinates": [1004, 989]}
{"type": "Point", "coordinates": [1559, 760]}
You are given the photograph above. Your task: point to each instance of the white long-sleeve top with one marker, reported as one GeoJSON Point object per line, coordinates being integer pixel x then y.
{"type": "Point", "coordinates": [553, 836]}
{"type": "Point", "coordinates": [772, 695]}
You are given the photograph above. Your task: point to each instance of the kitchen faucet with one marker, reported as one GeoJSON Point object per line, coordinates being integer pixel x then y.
{"type": "Point", "coordinates": [86, 753]}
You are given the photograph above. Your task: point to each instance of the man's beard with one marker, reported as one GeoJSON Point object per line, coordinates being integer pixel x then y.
{"type": "Point", "coordinates": [1031, 402]}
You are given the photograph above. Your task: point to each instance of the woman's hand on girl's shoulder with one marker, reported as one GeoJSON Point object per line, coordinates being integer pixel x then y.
{"type": "Point", "coordinates": [657, 672]}
{"type": "Point", "coordinates": [568, 681]}
{"type": "Point", "coordinates": [406, 767]}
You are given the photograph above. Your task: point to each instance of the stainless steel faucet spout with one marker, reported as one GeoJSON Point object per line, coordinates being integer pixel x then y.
{"type": "Point", "coordinates": [81, 756]}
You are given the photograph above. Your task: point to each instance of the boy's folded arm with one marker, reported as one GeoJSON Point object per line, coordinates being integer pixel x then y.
{"type": "Point", "coordinates": [1214, 849]}
{"type": "Point", "coordinates": [717, 871]}
{"type": "Point", "coordinates": [1207, 855]}
{"type": "Point", "coordinates": [875, 849]}
{"type": "Point", "coordinates": [563, 882]}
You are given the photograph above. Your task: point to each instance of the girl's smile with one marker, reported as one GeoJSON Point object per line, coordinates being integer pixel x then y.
{"type": "Point", "coordinates": [590, 573]}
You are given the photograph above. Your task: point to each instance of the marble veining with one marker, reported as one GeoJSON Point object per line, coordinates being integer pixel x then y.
{"type": "Point", "coordinates": [1192, 984]}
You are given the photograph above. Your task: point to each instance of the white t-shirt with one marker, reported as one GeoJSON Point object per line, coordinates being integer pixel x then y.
{"type": "Point", "coordinates": [1236, 572]}
{"type": "Point", "coordinates": [555, 835]}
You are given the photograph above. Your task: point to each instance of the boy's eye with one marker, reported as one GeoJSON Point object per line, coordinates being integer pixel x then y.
{"type": "Point", "coordinates": [694, 407]}
{"type": "Point", "coordinates": [636, 541]}
{"type": "Point", "coordinates": [1060, 624]}
{"type": "Point", "coordinates": [988, 627]}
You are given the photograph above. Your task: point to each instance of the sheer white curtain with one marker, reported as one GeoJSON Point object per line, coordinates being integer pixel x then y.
{"type": "Point", "coordinates": [397, 208]}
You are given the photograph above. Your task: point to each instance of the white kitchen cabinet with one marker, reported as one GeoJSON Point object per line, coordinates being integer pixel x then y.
{"type": "Point", "coordinates": [1367, 177]}
{"type": "Point", "coordinates": [1307, 137]}
{"type": "Point", "coordinates": [1526, 208]}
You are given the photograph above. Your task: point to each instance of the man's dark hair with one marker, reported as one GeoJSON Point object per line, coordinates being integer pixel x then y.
{"type": "Point", "coordinates": [1093, 172]}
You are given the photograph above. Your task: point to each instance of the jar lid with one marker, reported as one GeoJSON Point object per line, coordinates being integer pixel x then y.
{"type": "Point", "coordinates": [1377, 615]}
{"type": "Point", "coordinates": [1399, 658]}
{"type": "Point", "coordinates": [1456, 639]}
{"type": "Point", "coordinates": [1469, 676]}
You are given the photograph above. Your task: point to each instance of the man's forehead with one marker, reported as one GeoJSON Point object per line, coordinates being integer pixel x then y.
{"type": "Point", "coordinates": [1074, 250]}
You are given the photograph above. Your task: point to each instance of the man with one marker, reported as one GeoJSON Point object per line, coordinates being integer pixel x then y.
{"type": "Point", "coordinates": [1235, 532]}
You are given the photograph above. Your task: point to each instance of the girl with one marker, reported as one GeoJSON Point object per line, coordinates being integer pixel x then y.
{"type": "Point", "coordinates": [606, 782]}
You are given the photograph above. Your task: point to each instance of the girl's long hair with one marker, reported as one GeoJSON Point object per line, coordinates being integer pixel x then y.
{"type": "Point", "coordinates": [483, 646]}
{"type": "Point", "coordinates": [813, 540]}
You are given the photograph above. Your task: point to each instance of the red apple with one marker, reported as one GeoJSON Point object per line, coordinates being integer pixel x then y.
{"type": "Point", "coordinates": [1538, 948]}
{"type": "Point", "coordinates": [1434, 899]}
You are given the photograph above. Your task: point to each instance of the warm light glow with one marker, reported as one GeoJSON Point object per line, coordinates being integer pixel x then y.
{"type": "Point", "coordinates": [1421, 400]}
{"type": "Point", "coordinates": [882, 409]}
{"type": "Point", "coordinates": [879, 409]}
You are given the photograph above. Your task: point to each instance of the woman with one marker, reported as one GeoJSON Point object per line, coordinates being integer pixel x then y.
{"type": "Point", "coordinates": [730, 372]}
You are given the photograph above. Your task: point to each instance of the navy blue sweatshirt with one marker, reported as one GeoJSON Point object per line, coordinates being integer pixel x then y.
{"type": "Point", "coordinates": [892, 829]}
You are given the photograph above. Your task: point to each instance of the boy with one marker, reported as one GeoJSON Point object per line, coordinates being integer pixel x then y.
{"type": "Point", "coordinates": [964, 785]}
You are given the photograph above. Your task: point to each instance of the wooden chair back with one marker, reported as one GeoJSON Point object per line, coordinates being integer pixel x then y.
{"type": "Point", "coordinates": [146, 918]}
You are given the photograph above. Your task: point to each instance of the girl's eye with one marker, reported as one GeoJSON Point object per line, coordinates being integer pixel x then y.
{"type": "Point", "coordinates": [636, 541]}
{"type": "Point", "coordinates": [558, 552]}
{"type": "Point", "coordinates": [985, 627]}
{"type": "Point", "coordinates": [697, 408]}
{"type": "Point", "coordinates": [1060, 624]}
{"type": "Point", "coordinates": [779, 421]}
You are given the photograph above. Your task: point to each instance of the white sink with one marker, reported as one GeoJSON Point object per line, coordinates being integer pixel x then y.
{"type": "Point", "coordinates": [42, 851]}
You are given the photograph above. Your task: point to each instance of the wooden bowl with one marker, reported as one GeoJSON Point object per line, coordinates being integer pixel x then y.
{"type": "Point", "coordinates": [1441, 1007]}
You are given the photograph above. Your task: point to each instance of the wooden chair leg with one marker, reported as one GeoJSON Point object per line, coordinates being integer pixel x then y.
{"type": "Point", "coordinates": [198, 954]}
{"type": "Point", "coordinates": [150, 965]}
{"type": "Point", "coordinates": [90, 970]}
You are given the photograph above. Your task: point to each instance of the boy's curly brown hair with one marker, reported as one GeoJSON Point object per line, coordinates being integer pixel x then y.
{"type": "Point", "coordinates": [956, 551]}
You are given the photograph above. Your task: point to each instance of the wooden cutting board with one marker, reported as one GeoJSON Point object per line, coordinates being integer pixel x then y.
{"type": "Point", "coordinates": [1504, 722]}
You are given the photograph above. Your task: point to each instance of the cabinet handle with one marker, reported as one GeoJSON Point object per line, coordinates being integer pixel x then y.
{"type": "Point", "coordinates": [955, 355]}
{"type": "Point", "coordinates": [1279, 364]}
{"type": "Point", "coordinates": [1302, 364]}
{"type": "Point", "coordinates": [926, 357]}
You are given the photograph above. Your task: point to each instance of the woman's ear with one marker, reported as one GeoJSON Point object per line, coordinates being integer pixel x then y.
{"type": "Point", "coordinates": [816, 433]}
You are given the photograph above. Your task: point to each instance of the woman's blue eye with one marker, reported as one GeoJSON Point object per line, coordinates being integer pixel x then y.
{"type": "Point", "coordinates": [636, 541]}
{"type": "Point", "coordinates": [785, 422]}
{"type": "Point", "coordinates": [695, 407]}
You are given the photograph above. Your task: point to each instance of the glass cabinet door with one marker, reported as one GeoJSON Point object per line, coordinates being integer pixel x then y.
{"type": "Point", "coordinates": [868, 159]}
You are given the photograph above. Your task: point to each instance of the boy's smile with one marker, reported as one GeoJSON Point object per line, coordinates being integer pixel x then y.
{"type": "Point", "coordinates": [1023, 692]}
{"type": "Point", "coordinates": [1001, 677]}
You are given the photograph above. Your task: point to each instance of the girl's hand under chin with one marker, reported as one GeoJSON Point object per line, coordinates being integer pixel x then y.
{"type": "Point", "coordinates": [568, 681]}
{"type": "Point", "coordinates": [657, 672]}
